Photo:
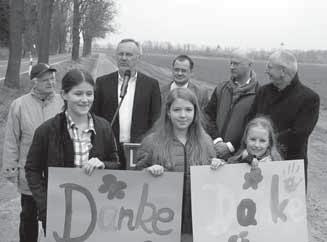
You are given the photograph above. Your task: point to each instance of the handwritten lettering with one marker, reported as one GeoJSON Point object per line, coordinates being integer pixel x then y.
{"type": "Point", "coordinates": [277, 208]}
{"type": "Point", "coordinates": [112, 218]}
{"type": "Point", "coordinates": [246, 212]}
{"type": "Point", "coordinates": [69, 188]}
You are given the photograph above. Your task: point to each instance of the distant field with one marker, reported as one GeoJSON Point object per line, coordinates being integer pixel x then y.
{"type": "Point", "coordinates": [213, 70]}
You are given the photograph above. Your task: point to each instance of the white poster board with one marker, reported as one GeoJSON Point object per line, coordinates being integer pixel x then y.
{"type": "Point", "coordinates": [235, 204]}
{"type": "Point", "coordinates": [112, 205]}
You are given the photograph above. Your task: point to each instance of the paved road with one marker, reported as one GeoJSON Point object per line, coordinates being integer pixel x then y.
{"type": "Point", "coordinates": [104, 66]}
{"type": "Point", "coordinates": [24, 67]}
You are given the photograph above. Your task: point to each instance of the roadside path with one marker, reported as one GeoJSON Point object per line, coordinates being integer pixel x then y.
{"type": "Point", "coordinates": [105, 65]}
{"type": "Point", "coordinates": [24, 68]}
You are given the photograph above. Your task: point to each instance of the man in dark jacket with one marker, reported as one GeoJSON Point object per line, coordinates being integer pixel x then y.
{"type": "Point", "coordinates": [182, 72]}
{"type": "Point", "coordinates": [229, 105]}
{"type": "Point", "coordinates": [293, 107]}
{"type": "Point", "coordinates": [141, 105]}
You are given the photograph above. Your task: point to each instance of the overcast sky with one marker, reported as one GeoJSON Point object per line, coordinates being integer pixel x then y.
{"type": "Point", "coordinates": [299, 24]}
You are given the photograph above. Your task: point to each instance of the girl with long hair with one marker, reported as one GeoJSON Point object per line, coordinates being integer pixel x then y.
{"type": "Point", "coordinates": [176, 142]}
{"type": "Point", "coordinates": [258, 144]}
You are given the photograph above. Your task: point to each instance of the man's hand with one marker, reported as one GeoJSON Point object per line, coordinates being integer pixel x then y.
{"type": "Point", "coordinates": [156, 170]}
{"type": "Point", "coordinates": [221, 149]}
{"type": "Point", "coordinates": [216, 163]}
{"type": "Point", "coordinates": [92, 164]}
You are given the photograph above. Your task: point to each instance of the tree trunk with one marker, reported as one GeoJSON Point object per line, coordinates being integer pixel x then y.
{"type": "Point", "coordinates": [62, 41]}
{"type": "Point", "coordinates": [16, 21]}
{"type": "Point", "coordinates": [76, 25]}
{"type": "Point", "coordinates": [44, 33]}
{"type": "Point", "coordinates": [87, 45]}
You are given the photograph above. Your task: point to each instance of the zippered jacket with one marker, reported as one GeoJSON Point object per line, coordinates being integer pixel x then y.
{"type": "Point", "coordinates": [228, 108]}
{"type": "Point", "coordinates": [26, 113]}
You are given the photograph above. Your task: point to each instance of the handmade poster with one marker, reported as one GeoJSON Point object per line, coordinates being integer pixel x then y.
{"type": "Point", "coordinates": [113, 205]}
{"type": "Point", "coordinates": [130, 154]}
{"type": "Point", "coordinates": [238, 204]}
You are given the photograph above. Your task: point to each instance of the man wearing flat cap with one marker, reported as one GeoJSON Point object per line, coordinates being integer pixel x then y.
{"type": "Point", "coordinates": [26, 113]}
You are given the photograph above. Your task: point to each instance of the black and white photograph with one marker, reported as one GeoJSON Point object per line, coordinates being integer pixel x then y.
{"type": "Point", "coordinates": [163, 121]}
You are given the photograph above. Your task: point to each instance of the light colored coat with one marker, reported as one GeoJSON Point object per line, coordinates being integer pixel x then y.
{"type": "Point", "coordinates": [26, 113]}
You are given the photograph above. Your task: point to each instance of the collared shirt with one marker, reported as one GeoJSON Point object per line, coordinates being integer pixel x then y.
{"type": "Point", "coordinates": [126, 109]}
{"type": "Point", "coordinates": [82, 142]}
{"type": "Point", "coordinates": [174, 85]}
{"type": "Point", "coordinates": [243, 84]}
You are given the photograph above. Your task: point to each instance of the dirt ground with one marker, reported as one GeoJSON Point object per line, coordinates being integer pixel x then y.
{"type": "Point", "coordinates": [317, 186]}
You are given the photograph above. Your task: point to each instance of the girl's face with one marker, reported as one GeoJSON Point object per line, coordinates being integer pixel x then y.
{"type": "Point", "coordinates": [257, 141]}
{"type": "Point", "coordinates": [181, 114]}
{"type": "Point", "coordinates": [79, 99]}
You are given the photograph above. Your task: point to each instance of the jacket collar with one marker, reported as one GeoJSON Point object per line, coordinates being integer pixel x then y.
{"type": "Point", "coordinates": [251, 87]}
{"type": "Point", "coordinates": [295, 82]}
{"type": "Point", "coordinates": [40, 96]}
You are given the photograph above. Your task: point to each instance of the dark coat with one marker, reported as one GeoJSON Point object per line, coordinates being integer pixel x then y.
{"type": "Point", "coordinates": [200, 92]}
{"type": "Point", "coordinates": [228, 109]}
{"type": "Point", "coordinates": [146, 107]}
{"type": "Point", "coordinates": [294, 112]}
{"type": "Point", "coordinates": [52, 146]}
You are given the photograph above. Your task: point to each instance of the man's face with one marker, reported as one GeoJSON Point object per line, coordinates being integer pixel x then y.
{"type": "Point", "coordinates": [127, 56]}
{"type": "Point", "coordinates": [276, 74]}
{"type": "Point", "coordinates": [45, 84]}
{"type": "Point", "coordinates": [239, 68]}
{"type": "Point", "coordinates": [181, 72]}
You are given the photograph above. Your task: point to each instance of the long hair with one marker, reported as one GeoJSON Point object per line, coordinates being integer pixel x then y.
{"type": "Point", "coordinates": [266, 123]}
{"type": "Point", "coordinates": [162, 133]}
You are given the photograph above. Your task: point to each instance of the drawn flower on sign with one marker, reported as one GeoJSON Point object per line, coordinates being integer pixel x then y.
{"type": "Point", "coordinates": [252, 178]}
{"type": "Point", "coordinates": [291, 182]}
{"type": "Point", "coordinates": [242, 236]}
{"type": "Point", "coordinates": [113, 187]}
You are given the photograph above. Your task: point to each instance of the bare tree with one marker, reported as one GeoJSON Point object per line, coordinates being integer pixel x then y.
{"type": "Point", "coordinates": [30, 32]}
{"type": "Point", "coordinates": [80, 7]}
{"type": "Point", "coordinates": [97, 22]}
{"type": "Point", "coordinates": [60, 25]}
{"type": "Point", "coordinates": [16, 18]}
{"type": "Point", "coordinates": [45, 12]}
{"type": "Point", "coordinates": [4, 20]}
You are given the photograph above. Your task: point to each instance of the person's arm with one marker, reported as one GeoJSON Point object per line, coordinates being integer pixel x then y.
{"type": "Point", "coordinates": [144, 155]}
{"type": "Point", "coordinates": [254, 107]}
{"type": "Point", "coordinates": [111, 149]}
{"type": "Point", "coordinates": [210, 112]}
{"type": "Point", "coordinates": [206, 97]}
{"type": "Point", "coordinates": [155, 108]}
{"type": "Point", "coordinates": [302, 127]}
{"type": "Point", "coordinates": [35, 168]}
{"type": "Point", "coordinates": [96, 107]}
{"type": "Point", "coordinates": [10, 155]}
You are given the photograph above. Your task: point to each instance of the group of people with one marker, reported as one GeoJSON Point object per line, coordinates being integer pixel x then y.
{"type": "Point", "coordinates": [178, 125]}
